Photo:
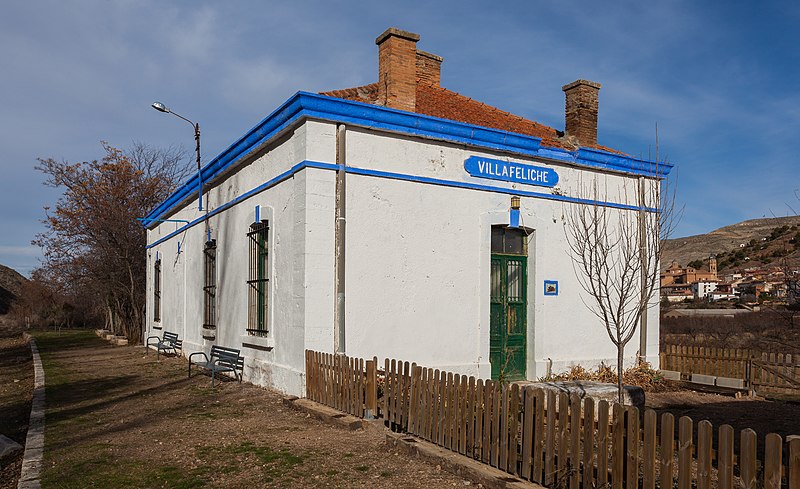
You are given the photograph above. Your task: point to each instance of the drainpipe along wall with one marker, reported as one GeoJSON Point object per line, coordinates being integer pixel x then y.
{"type": "Point", "coordinates": [339, 252]}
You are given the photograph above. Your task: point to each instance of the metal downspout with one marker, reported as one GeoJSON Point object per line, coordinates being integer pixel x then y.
{"type": "Point", "coordinates": [339, 252]}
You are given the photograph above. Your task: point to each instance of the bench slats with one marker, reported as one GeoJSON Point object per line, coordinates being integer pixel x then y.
{"type": "Point", "coordinates": [220, 359]}
{"type": "Point", "coordinates": [168, 343]}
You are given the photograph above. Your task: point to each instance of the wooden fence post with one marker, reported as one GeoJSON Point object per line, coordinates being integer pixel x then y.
{"type": "Point", "coordinates": [794, 463]}
{"type": "Point", "coordinates": [649, 450]}
{"type": "Point", "coordinates": [667, 449]}
{"type": "Point", "coordinates": [773, 456]}
{"type": "Point", "coordinates": [602, 443]}
{"type": "Point", "coordinates": [725, 457]}
{"type": "Point", "coordinates": [704, 437]}
{"type": "Point", "coordinates": [685, 446]}
{"type": "Point", "coordinates": [618, 447]}
{"type": "Point", "coordinates": [747, 458]}
{"type": "Point", "coordinates": [371, 401]}
{"type": "Point", "coordinates": [588, 443]}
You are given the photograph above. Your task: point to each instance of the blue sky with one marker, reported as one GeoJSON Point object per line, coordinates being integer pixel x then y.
{"type": "Point", "coordinates": [719, 78]}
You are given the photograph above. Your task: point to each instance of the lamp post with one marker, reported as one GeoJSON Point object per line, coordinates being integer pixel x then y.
{"type": "Point", "coordinates": [162, 108]}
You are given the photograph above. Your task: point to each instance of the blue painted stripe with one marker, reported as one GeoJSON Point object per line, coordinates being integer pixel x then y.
{"type": "Point", "coordinates": [305, 105]}
{"type": "Point", "coordinates": [393, 176]}
{"type": "Point", "coordinates": [270, 183]}
{"type": "Point", "coordinates": [489, 188]}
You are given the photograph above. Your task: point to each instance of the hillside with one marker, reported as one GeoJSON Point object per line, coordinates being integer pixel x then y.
{"type": "Point", "coordinates": [746, 244]}
{"type": "Point", "coordinates": [10, 286]}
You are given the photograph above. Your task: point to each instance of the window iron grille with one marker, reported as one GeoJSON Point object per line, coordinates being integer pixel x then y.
{"type": "Point", "coordinates": [210, 285]}
{"type": "Point", "coordinates": [157, 291]}
{"type": "Point", "coordinates": [258, 281]}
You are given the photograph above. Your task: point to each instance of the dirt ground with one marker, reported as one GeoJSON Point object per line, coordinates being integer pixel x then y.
{"type": "Point", "coordinates": [763, 416]}
{"type": "Point", "coordinates": [118, 418]}
{"type": "Point", "coordinates": [16, 387]}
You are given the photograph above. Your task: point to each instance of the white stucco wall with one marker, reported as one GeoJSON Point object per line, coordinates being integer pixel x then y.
{"type": "Point", "coordinates": [417, 260]}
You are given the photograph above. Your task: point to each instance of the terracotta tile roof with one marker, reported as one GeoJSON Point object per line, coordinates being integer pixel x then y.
{"type": "Point", "coordinates": [367, 93]}
{"type": "Point", "coordinates": [440, 102]}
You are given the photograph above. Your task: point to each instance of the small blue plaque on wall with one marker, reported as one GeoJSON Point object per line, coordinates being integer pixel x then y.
{"type": "Point", "coordinates": [551, 287]}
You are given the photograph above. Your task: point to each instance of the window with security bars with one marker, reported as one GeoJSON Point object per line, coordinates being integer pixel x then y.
{"type": "Point", "coordinates": [157, 291]}
{"type": "Point", "coordinates": [257, 279]}
{"type": "Point", "coordinates": [210, 285]}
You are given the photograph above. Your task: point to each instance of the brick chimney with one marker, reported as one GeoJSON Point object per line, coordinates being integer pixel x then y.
{"type": "Point", "coordinates": [397, 68]}
{"type": "Point", "coordinates": [429, 68]}
{"type": "Point", "coordinates": [581, 111]}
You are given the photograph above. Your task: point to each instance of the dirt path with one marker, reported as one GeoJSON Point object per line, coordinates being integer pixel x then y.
{"type": "Point", "coordinates": [118, 418]}
{"type": "Point", "coordinates": [763, 416]}
{"type": "Point", "coordinates": [16, 388]}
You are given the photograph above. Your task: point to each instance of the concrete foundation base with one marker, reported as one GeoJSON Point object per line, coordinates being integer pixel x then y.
{"type": "Point", "coordinates": [598, 391]}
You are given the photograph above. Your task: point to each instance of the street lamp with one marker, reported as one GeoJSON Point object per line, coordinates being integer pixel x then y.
{"type": "Point", "coordinates": [163, 108]}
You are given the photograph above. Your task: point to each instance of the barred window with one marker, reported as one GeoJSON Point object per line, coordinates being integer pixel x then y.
{"type": "Point", "coordinates": [210, 285]}
{"type": "Point", "coordinates": [157, 291]}
{"type": "Point", "coordinates": [258, 281]}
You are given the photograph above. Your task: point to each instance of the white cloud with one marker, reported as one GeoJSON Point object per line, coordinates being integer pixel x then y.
{"type": "Point", "coordinates": [20, 250]}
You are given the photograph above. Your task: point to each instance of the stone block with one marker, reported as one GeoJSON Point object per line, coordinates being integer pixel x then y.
{"type": "Point", "coordinates": [703, 379]}
{"type": "Point", "coordinates": [8, 447]}
{"type": "Point", "coordinates": [729, 382]}
{"type": "Point", "coordinates": [670, 374]}
{"type": "Point", "coordinates": [598, 391]}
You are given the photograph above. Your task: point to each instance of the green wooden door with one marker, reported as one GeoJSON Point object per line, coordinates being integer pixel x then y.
{"type": "Point", "coordinates": [508, 325]}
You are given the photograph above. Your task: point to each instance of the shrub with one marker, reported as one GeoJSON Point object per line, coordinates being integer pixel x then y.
{"type": "Point", "coordinates": [642, 375]}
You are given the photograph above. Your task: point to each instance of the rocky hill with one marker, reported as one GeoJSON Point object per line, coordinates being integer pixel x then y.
{"type": "Point", "coordinates": [749, 243]}
{"type": "Point", "coordinates": [11, 284]}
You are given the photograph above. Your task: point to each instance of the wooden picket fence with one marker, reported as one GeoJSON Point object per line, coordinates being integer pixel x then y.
{"type": "Point", "coordinates": [555, 439]}
{"type": "Point", "coordinates": [765, 373]}
{"type": "Point", "coordinates": [344, 383]}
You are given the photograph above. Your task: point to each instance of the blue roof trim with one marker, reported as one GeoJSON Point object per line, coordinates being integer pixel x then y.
{"type": "Point", "coordinates": [611, 161]}
{"type": "Point", "coordinates": [309, 105]}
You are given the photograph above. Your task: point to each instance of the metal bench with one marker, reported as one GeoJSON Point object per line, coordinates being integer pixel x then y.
{"type": "Point", "coordinates": [169, 343]}
{"type": "Point", "coordinates": [220, 359]}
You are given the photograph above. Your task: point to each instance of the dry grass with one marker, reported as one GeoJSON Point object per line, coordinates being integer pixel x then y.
{"type": "Point", "coordinates": [642, 375]}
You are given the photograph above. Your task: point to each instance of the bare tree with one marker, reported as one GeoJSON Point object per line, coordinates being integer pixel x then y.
{"type": "Point", "coordinates": [93, 245]}
{"type": "Point", "coordinates": [616, 252]}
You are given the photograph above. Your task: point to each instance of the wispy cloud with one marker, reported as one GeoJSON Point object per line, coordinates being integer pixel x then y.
{"type": "Point", "coordinates": [20, 250]}
{"type": "Point", "coordinates": [715, 76]}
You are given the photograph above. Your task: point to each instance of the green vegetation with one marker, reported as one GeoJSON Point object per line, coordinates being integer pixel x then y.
{"type": "Point", "coordinates": [697, 264]}
{"type": "Point", "coordinates": [105, 470]}
{"type": "Point", "coordinates": [273, 463]}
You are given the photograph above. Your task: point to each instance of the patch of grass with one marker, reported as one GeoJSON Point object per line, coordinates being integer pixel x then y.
{"type": "Point", "coordinates": [274, 463]}
{"type": "Point", "coordinates": [105, 471]}
{"type": "Point", "coordinates": [176, 478]}
{"type": "Point", "coordinates": [386, 473]}
{"type": "Point", "coordinates": [348, 455]}
{"type": "Point", "coordinates": [362, 468]}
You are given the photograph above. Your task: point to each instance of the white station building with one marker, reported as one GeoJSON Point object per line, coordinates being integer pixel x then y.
{"type": "Point", "coordinates": [400, 220]}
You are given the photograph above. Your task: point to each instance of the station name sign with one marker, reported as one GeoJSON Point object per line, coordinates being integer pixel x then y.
{"type": "Point", "coordinates": [508, 171]}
